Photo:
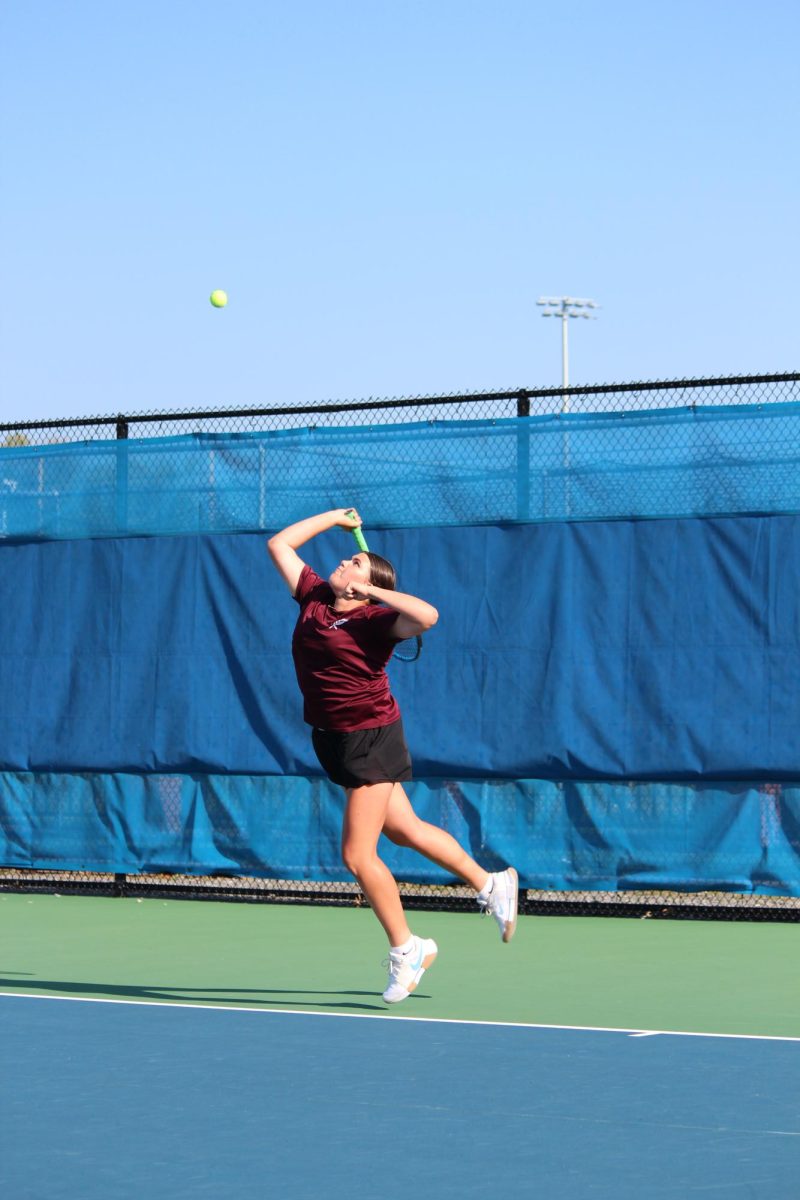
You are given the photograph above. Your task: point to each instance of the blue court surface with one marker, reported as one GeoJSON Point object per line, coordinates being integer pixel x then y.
{"type": "Point", "coordinates": [120, 1099]}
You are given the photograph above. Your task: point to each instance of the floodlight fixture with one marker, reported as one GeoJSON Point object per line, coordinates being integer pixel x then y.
{"type": "Point", "coordinates": [564, 307]}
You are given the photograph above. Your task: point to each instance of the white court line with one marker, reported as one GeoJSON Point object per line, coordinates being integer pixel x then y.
{"type": "Point", "coordinates": [303, 1012]}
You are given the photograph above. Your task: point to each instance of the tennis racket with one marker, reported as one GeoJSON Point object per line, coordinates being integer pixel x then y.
{"type": "Point", "coordinates": [361, 542]}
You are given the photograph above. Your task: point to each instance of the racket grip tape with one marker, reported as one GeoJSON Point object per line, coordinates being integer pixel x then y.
{"type": "Point", "coordinates": [359, 536]}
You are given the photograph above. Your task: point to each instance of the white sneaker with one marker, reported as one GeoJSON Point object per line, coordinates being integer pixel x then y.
{"type": "Point", "coordinates": [502, 901]}
{"type": "Point", "coordinates": [406, 970]}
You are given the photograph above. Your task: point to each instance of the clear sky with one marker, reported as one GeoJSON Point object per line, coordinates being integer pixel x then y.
{"type": "Point", "coordinates": [384, 191]}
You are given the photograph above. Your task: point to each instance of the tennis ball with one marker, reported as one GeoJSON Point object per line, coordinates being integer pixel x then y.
{"type": "Point", "coordinates": [219, 298]}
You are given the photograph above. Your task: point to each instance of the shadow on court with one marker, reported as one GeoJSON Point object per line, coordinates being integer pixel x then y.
{"type": "Point", "coordinates": [247, 997]}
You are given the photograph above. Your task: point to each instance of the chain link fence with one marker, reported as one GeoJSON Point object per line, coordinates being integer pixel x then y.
{"type": "Point", "coordinates": [514, 402]}
{"type": "Point", "coordinates": [642, 904]}
{"type": "Point", "coordinates": [688, 448]}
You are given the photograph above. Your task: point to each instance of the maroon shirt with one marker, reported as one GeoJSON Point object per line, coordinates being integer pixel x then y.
{"type": "Point", "coordinates": [340, 659]}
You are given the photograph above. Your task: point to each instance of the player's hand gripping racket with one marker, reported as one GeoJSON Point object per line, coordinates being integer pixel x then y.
{"type": "Point", "coordinates": [361, 542]}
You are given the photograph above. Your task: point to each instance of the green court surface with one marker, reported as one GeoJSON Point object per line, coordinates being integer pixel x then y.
{"type": "Point", "coordinates": [690, 976]}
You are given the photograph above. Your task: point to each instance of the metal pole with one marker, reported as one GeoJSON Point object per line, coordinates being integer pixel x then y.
{"type": "Point", "coordinates": [122, 479]}
{"type": "Point", "coordinates": [565, 447]}
{"type": "Point", "coordinates": [523, 459]}
{"type": "Point", "coordinates": [565, 307]}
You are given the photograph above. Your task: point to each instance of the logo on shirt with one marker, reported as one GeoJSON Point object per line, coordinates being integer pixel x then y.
{"type": "Point", "coordinates": [341, 621]}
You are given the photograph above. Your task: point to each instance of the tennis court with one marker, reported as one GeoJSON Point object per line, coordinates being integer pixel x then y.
{"type": "Point", "coordinates": [187, 1048]}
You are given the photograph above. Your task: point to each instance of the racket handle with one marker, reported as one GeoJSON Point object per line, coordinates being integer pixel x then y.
{"type": "Point", "coordinates": [359, 536]}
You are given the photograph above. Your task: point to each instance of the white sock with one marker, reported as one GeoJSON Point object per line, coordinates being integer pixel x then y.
{"type": "Point", "coordinates": [487, 889]}
{"type": "Point", "coordinates": [406, 947]}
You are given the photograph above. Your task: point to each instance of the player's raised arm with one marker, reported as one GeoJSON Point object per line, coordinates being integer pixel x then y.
{"type": "Point", "coordinates": [284, 545]}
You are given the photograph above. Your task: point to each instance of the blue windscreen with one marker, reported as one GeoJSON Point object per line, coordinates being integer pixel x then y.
{"type": "Point", "coordinates": [619, 650]}
{"type": "Point", "coordinates": [600, 836]}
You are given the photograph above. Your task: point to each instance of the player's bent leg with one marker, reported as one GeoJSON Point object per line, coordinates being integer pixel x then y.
{"type": "Point", "coordinates": [498, 893]}
{"type": "Point", "coordinates": [403, 827]}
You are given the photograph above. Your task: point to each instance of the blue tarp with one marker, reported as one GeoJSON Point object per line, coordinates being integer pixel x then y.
{"type": "Point", "coordinates": [695, 461]}
{"type": "Point", "coordinates": [573, 836]}
{"type": "Point", "coordinates": [623, 650]}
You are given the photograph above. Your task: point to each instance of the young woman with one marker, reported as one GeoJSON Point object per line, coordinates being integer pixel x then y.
{"type": "Point", "coordinates": [344, 637]}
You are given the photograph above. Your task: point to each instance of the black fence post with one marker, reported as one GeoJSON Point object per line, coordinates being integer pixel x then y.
{"type": "Point", "coordinates": [122, 475]}
{"type": "Point", "coordinates": [523, 458]}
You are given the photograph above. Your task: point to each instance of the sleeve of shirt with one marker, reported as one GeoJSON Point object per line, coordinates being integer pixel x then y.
{"type": "Point", "coordinates": [381, 621]}
{"type": "Point", "coordinates": [309, 586]}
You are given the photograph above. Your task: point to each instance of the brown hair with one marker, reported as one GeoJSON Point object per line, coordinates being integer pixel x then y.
{"type": "Point", "coordinates": [381, 572]}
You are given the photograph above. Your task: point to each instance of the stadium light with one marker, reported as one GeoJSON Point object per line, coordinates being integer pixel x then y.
{"type": "Point", "coordinates": [565, 307]}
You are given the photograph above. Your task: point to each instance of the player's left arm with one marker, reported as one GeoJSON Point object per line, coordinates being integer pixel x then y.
{"type": "Point", "coordinates": [416, 615]}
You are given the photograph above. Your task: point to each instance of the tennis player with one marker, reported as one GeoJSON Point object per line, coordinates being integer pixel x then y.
{"type": "Point", "coordinates": [344, 637]}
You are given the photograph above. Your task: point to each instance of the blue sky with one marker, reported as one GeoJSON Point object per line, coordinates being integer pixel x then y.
{"type": "Point", "coordinates": [384, 191]}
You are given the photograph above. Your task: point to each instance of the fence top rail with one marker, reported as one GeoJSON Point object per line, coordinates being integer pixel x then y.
{"type": "Point", "coordinates": [523, 394]}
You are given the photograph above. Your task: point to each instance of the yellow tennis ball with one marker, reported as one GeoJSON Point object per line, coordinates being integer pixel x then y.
{"type": "Point", "coordinates": [219, 298]}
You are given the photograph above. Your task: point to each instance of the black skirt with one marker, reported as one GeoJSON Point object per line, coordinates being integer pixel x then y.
{"type": "Point", "coordinates": [364, 755]}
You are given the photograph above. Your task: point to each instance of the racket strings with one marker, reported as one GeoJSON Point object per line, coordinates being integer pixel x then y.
{"type": "Point", "coordinates": [410, 657]}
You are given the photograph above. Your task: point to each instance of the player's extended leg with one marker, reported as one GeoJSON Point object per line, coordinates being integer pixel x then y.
{"type": "Point", "coordinates": [364, 817]}
{"type": "Point", "coordinates": [409, 956]}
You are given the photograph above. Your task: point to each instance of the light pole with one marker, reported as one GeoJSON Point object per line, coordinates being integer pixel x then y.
{"type": "Point", "coordinates": [565, 307]}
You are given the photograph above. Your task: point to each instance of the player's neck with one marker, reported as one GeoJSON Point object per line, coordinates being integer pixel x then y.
{"type": "Point", "coordinates": [342, 605]}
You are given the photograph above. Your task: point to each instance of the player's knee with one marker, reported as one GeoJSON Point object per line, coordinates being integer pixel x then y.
{"type": "Point", "coordinates": [350, 860]}
{"type": "Point", "coordinates": [355, 859]}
